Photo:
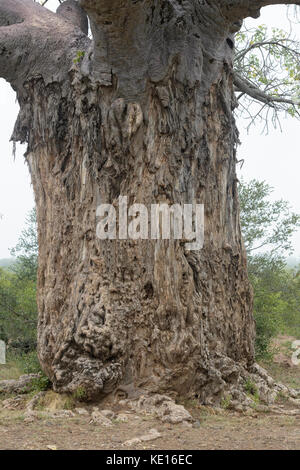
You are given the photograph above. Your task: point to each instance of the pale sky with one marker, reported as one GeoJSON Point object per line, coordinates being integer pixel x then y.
{"type": "Point", "coordinates": [273, 158]}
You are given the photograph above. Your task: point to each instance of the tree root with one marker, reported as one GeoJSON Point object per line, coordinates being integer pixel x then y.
{"type": "Point", "coordinates": [22, 385]}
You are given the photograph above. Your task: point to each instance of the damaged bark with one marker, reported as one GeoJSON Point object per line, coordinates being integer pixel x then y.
{"type": "Point", "coordinates": [144, 111]}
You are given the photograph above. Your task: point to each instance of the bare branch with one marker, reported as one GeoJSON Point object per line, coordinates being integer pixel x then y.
{"type": "Point", "coordinates": [245, 86]}
{"type": "Point", "coordinates": [255, 45]}
{"type": "Point", "coordinates": [267, 71]}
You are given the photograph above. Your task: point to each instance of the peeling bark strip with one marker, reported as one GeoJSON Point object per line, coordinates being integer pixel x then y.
{"type": "Point", "coordinates": [143, 110]}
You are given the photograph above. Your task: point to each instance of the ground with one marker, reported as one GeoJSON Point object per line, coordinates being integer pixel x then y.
{"type": "Point", "coordinates": [224, 431]}
{"type": "Point", "coordinates": [213, 429]}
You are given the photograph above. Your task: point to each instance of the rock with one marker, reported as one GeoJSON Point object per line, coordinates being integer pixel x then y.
{"type": "Point", "coordinates": [294, 393]}
{"type": "Point", "coordinates": [34, 401]}
{"type": "Point", "coordinates": [22, 385]}
{"type": "Point", "coordinates": [99, 418]}
{"type": "Point", "coordinates": [29, 419]}
{"type": "Point", "coordinates": [62, 414]}
{"type": "Point", "coordinates": [150, 436]}
{"type": "Point", "coordinates": [132, 442]}
{"type": "Point", "coordinates": [295, 401]}
{"type": "Point", "coordinates": [31, 414]}
{"type": "Point", "coordinates": [163, 407]}
{"type": "Point", "coordinates": [262, 409]}
{"type": "Point", "coordinates": [236, 406]}
{"type": "Point", "coordinates": [108, 414]}
{"type": "Point", "coordinates": [13, 403]}
{"type": "Point", "coordinates": [123, 402]}
{"type": "Point", "coordinates": [81, 411]}
{"type": "Point", "coordinates": [285, 412]}
{"type": "Point", "coordinates": [122, 417]}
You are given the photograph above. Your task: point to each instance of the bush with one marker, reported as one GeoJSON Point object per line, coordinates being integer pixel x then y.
{"type": "Point", "coordinates": [267, 327]}
{"type": "Point", "coordinates": [29, 364]}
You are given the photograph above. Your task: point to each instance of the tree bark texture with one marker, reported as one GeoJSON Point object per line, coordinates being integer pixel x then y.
{"type": "Point", "coordinates": [145, 112]}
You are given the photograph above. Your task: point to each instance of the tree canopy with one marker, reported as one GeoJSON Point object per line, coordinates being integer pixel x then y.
{"type": "Point", "coordinates": [267, 228]}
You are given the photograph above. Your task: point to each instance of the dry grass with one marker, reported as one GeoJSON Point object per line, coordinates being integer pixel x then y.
{"type": "Point", "coordinates": [11, 370]}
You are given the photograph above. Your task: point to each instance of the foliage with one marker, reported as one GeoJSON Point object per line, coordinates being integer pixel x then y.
{"type": "Point", "coordinates": [269, 226]}
{"type": "Point", "coordinates": [79, 394]}
{"type": "Point", "coordinates": [79, 57]}
{"type": "Point", "coordinates": [26, 249]}
{"type": "Point", "coordinates": [267, 62]}
{"type": "Point", "coordinates": [251, 389]}
{"type": "Point", "coordinates": [18, 308]}
{"type": "Point", "coordinates": [265, 224]}
{"type": "Point", "coordinates": [226, 402]}
{"type": "Point", "coordinates": [18, 311]}
{"type": "Point", "coordinates": [19, 363]}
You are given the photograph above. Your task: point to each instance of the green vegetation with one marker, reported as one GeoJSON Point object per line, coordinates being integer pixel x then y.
{"type": "Point", "coordinates": [251, 390]}
{"type": "Point", "coordinates": [226, 402]}
{"type": "Point", "coordinates": [24, 363]}
{"type": "Point", "coordinates": [267, 60]}
{"type": "Point", "coordinates": [267, 229]}
{"type": "Point", "coordinates": [79, 394]}
{"type": "Point", "coordinates": [79, 57]}
{"type": "Point", "coordinates": [18, 308]}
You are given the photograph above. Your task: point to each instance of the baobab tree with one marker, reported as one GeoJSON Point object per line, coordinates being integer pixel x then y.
{"type": "Point", "coordinates": [144, 109]}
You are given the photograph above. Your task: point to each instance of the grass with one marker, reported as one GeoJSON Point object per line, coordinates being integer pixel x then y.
{"type": "Point", "coordinates": [20, 364]}
{"type": "Point", "coordinates": [11, 370]}
{"type": "Point", "coordinates": [226, 401]}
{"type": "Point", "coordinates": [293, 330]}
{"type": "Point", "coordinates": [55, 401]}
{"type": "Point", "coordinates": [251, 390]}
{"type": "Point", "coordinates": [289, 376]}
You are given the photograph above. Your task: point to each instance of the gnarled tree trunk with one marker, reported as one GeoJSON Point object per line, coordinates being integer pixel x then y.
{"type": "Point", "coordinates": [144, 111]}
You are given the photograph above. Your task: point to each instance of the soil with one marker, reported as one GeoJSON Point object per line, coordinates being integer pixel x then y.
{"type": "Point", "coordinates": [213, 429]}
{"type": "Point", "coordinates": [222, 431]}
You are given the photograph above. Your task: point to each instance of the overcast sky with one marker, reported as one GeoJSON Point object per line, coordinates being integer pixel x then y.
{"type": "Point", "coordinates": [273, 158]}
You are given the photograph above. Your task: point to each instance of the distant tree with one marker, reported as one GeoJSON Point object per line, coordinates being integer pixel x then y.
{"type": "Point", "coordinates": [267, 229]}
{"type": "Point", "coordinates": [18, 307]}
{"type": "Point", "coordinates": [267, 225]}
{"type": "Point", "coordinates": [26, 250]}
{"type": "Point", "coordinates": [18, 311]}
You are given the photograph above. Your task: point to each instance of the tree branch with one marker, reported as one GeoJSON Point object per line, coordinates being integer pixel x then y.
{"type": "Point", "coordinates": [117, 29]}
{"type": "Point", "coordinates": [255, 45]}
{"type": "Point", "coordinates": [72, 11]}
{"type": "Point", "coordinates": [35, 42]}
{"type": "Point", "coordinates": [235, 10]}
{"type": "Point", "coordinates": [245, 86]}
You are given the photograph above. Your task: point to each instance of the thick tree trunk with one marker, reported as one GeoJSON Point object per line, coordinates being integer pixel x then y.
{"type": "Point", "coordinates": [147, 115]}
{"type": "Point", "coordinates": [147, 313]}
{"type": "Point", "coordinates": [144, 312]}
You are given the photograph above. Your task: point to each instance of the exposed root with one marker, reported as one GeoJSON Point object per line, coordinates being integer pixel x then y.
{"type": "Point", "coordinates": [162, 407]}
{"type": "Point", "coordinates": [22, 385]}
